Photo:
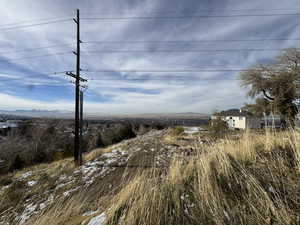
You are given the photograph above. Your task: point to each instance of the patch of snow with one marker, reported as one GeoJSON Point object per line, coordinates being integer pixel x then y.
{"type": "Point", "coordinates": [51, 198]}
{"type": "Point", "coordinates": [192, 205]}
{"type": "Point", "coordinates": [42, 206]}
{"type": "Point", "coordinates": [67, 193]}
{"type": "Point", "coordinates": [108, 155]}
{"type": "Point", "coordinates": [31, 183]}
{"type": "Point", "coordinates": [99, 167]}
{"type": "Point", "coordinates": [226, 215]}
{"type": "Point", "coordinates": [63, 178]}
{"type": "Point", "coordinates": [186, 211]}
{"type": "Point", "coordinates": [90, 213]}
{"type": "Point", "coordinates": [63, 184]}
{"type": "Point", "coordinates": [27, 213]}
{"type": "Point", "coordinates": [76, 171]}
{"type": "Point", "coordinates": [110, 161]}
{"type": "Point", "coordinates": [26, 175]}
{"type": "Point", "coordinates": [271, 189]}
{"type": "Point", "coordinates": [184, 196]}
{"type": "Point", "coordinates": [5, 187]}
{"type": "Point", "coordinates": [98, 220]}
{"type": "Point", "coordinates": [191, 130]}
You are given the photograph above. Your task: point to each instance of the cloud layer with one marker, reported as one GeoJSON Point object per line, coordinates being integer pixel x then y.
{"type": "Point", "coordinates": [29, 83]}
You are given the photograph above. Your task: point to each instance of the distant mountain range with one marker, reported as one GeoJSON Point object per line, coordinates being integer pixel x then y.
{"type": "Point", "coordinates": [39, 113]}
{"type": "Point", "coordinates": [153, 115]}
{"type": "Point", "coordinates": [69, 114]}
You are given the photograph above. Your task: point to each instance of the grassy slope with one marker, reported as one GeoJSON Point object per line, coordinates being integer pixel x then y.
{"type": "Point", "coordinates": [251, 180]}
{"type": "Point", "coordinates": [254, 180]}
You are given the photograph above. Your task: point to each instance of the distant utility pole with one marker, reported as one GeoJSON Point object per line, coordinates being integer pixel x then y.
{"type": "Point", "coordinates": [78, 79]}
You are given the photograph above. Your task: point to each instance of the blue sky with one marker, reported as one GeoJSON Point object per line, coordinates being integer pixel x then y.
{"type": "Point", "coordinates": [30, 83]}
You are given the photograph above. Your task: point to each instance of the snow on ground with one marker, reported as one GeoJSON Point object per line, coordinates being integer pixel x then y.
{"type": "Point", "coordinates": [26, 175]}
{"type": "Point", "coordinates": [98, 220]}
{"type": "Point", "coordinates": [61, 185]}
{"type": "Point", "coordinates": [5, 187]}
{"type": "Point", "coordinates": [69, 192]}
{"type": "Point", "coordinates": [31, 208]}
{"type": "Point", "coordinates": [90, 213]}
{"type": "Point", "coordinates": [27, 213]}
{"type": "Point", "coordinates": [66, 184]}
{"type": "Point", "coordinates": [100, 166]}
{"type": "Point", "coordinates": [87, 173]}
{"type": "Point", "coordinates": [31, 183]}
{"type": "Point", "coordinates": [191, 130]}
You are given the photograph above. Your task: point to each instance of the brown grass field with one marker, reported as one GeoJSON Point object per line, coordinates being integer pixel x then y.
{"type": "Point", "coordinates": [249, 180]}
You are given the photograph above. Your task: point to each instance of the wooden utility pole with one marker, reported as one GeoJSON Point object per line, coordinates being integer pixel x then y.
{"type": "Point", "coordinates": [77, 140]}
{"type": "Point", "coordinates": [81, 126]}
{"type": "Point", "coordinates": [78, 79]}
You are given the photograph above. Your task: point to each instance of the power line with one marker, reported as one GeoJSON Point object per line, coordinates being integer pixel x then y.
{"type": "Point", "coordinates": [175, 51]}
{"type": "Point", "coordinates": [16, 76]}
{"type": "Point", "coordinates": [32, 82]}
{"type": "Point", "coordinates": [185, 79]}
{"type": "Point", "coordinates": [197, 11]}
{"type": "Point", "coordinates": [62, 72]}
{"type": "Point", "coordinates": [188, 17]}
{"type": "Point", "coordinates": [37, 56]}
{"type": "Point", "coordinates": [34, 25]}
{"type": "Point", "coordinates": [200, 67]}
{"type": "Point", "coordinates": [31, 21]}
{"type": "Point", "coordinates": [190, 41]}
{"type": "Point", "coordinates": [169, 71]}
{"type": "Point", "coordinates": [165, 79]}
{"type": "Point", "coordinates": [35, 49]}
{"type": "Point", "coordinates": [51, 74]}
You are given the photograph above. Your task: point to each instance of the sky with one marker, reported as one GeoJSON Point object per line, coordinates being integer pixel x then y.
{"type": "Point", "coordinates": [138, 55]}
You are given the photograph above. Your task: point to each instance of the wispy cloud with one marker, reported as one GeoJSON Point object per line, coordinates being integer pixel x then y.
{"type": "Point", "coordinates": [29, 83]}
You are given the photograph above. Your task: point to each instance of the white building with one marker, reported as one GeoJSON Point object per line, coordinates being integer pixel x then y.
{"type": "Point", "coordinates": [238, 119]}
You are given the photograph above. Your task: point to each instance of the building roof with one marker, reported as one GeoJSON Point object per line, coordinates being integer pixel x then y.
{"type": "Point", "coordinates": [234, 112]}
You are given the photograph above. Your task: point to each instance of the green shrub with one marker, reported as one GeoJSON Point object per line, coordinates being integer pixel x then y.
{"type": "Point", "coordinates": [178, 130]}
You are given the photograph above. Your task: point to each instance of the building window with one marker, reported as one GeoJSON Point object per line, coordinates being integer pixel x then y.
{"type": "Point", "coordinates": [241, 118]}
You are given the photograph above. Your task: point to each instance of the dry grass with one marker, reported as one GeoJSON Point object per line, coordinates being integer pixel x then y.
{"type": "Point", "coordinates": [98, 152]}
{"type": "Point", "coordinates": [252, 180]}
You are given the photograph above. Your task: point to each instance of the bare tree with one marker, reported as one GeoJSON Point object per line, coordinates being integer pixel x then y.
{"type": "Point", "coordinates": [277, 82]}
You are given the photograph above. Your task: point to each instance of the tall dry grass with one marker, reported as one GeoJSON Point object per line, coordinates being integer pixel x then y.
{"type": "Point", "coordinates": [252, 180]}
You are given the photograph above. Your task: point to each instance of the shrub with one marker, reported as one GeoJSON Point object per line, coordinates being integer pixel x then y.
{"type": "Point", "coordinates": [13, 195]}
{"type": "Point", "coordinates": [218, 128]}
{"type": "Point", "coordinates": [178, 130]}
{"type": "Point", "coordinates": [17, 164]}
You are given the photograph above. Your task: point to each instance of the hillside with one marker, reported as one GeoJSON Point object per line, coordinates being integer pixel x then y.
{"type": "Point", "coordinates": [163, 178]}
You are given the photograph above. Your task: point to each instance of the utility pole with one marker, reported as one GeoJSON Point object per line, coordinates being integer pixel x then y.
{"type": "Point", "coordinates": [78, 79]}
{"type": "Point", "coordinates": [81, 126]}
{"type": "Point", "coordinates": [77, 83]}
